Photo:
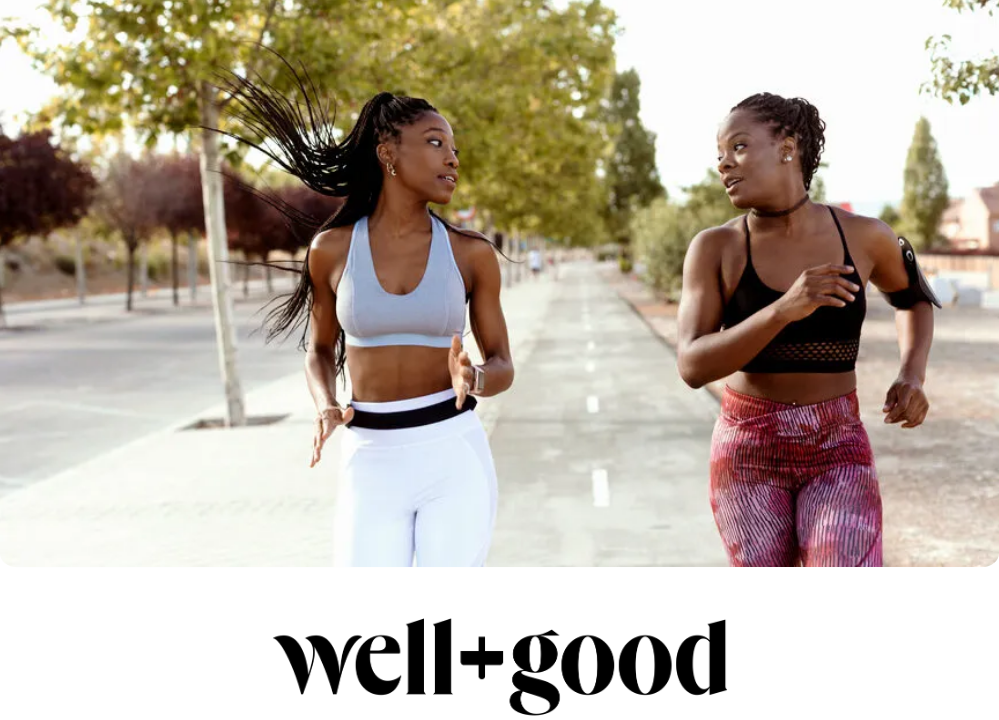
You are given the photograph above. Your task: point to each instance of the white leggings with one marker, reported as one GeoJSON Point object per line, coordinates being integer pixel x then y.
{"type": "Point", "coordinates": [426, 493]}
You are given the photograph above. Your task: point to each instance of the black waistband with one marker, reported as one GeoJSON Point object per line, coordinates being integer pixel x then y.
{"type": "Point", "coordinates": [411, 418]}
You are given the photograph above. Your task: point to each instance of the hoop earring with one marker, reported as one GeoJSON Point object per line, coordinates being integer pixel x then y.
{"type": "Point", "coordinates": [391, 169]}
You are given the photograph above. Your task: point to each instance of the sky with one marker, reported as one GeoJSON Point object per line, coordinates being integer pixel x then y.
{"type": "Point", "coordinates": [861, 62]}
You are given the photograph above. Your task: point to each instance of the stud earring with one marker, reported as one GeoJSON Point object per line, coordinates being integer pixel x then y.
{"type": "Point", "coordinates": [787, 158]}
{"type": "Point", "coordinates": [391, 169]}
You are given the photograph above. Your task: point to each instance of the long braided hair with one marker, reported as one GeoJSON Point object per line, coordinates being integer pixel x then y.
{"type": "Point", "coordinates": [792, 117]}
{"type": "Point", "coordinates": [304, 145]}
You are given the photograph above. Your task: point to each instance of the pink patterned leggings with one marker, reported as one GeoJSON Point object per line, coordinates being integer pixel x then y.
{"type": "Point", "coordinates": [795, 484]}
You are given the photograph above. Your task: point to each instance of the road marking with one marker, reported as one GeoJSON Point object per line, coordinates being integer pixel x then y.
{"type": "Point", "coordinates": [601, 488]}
{"type": "Point", "coordinates": [591, 366]}
{"type": "Point", "coordinates": [592, 404]}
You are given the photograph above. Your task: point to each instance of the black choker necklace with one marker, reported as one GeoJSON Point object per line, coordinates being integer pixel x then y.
{"type": "Point", "coordinates": [780, 213]}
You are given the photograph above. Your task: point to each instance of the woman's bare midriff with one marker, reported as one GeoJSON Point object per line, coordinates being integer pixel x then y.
{"type": "Point", "coordinates": [794, 388]}
{"type": "Point", "coordinates": [385, 374]}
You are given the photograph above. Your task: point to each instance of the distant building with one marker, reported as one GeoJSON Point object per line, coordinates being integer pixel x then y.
{"type": "Point", "coordinates": [972, 223]}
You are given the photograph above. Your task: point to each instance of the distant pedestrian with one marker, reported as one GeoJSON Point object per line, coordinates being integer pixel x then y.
{"type": "Point", "coordinates": [775, 299]}
{"type": "Point", "coordinates": [383, 293]}
{"type": "Point", "coordinates": [534, 261]}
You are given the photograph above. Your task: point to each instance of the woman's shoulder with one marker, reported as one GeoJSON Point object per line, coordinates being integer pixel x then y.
{"type": "Point", "coordinates": [329, 248]}
{"type": "Point", "coordinates": [470, 242]}
{"type": "Point", "coordinates": [333, 241]}
{"type": "Point", "coordinates": [719, 239]}
{"type": "Point", "coordinates": [870, 232]}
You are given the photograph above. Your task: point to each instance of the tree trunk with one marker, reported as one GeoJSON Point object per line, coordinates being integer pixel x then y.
{"type": "Point", "coordinates": [174, 268]}
{"type": "Point", "coordinates": [144, 268]}
{"type": "Point", "coordinates": [192, 265]}
{"type": "Point", "coordinates": [131, 276]}
{"type": "Point", "coordinates": [246, 275]}
{"type": "Point", "coordinates": [81, 271]}
{"type": "Point", "coordinates": [267, 272]}
{"type": "Point", "coordinates": [3, 280]}
{"type": "Point", "coordinates": [218, 250]}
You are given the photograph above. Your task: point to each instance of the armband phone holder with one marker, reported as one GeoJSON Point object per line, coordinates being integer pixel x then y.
{"type": "Point", "coordinates": [919, 289]}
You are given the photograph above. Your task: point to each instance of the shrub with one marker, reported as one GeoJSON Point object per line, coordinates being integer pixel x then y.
{"type": "Point", "coordinates": [66, 264]}
{"type": "Point", "coordinates": [158, 263]}
{"type": "Point", "coordinates": [661, 233]}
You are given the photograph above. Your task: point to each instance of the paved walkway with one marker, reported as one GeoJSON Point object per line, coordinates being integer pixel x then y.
{"type": "Point", "coordinates": [573, 489]}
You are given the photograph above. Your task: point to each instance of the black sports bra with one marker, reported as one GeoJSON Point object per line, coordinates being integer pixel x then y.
{"type": "Point", "coordinates": [826, 341]}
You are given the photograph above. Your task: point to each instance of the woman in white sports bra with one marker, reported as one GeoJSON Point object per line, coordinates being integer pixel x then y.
{"type": "Point", "coordinates": [383, 291]}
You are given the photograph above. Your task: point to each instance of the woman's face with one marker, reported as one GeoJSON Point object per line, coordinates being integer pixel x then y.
{"type": "Point", "coordinates": [751, 160]}
{"type": "Point", "coordinates": [426, 159]}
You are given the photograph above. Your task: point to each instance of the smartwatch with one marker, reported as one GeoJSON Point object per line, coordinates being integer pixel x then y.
{"type": "Point", "coordinates": [479, 383]}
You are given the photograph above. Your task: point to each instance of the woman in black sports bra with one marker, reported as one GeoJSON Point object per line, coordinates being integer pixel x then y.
{"type": "Point", "coordinates": [775, 301]}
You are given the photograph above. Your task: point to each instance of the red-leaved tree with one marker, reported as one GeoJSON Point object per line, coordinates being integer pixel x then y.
{"type": "Point", "coordinates": [257, 228]}
{"type": "Point", "coordinates": [125, 205]}
{"type": "Point", "coordinates": [179, 203]}
{"type": "Point", "coordinates": [41, 189]}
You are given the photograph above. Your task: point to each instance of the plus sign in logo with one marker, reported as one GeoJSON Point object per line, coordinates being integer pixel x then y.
{"type": "Point", "coordinates": [482, 658]}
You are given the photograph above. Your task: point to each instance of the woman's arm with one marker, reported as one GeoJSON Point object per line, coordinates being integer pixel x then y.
{"type": "Point", "coordinates": [706, 353]}
{"type": "Point", "coordinates": [488, 323]}
{"type": "Point", "coordinates": [324, 329]}
{"type": "Point", "coordinates": [905, 400]}
{"type": "Point", "coordinates": [320, 360]}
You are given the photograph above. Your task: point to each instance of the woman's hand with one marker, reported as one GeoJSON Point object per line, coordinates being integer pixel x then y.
{"type": "Point", "coordinates": [815, 288]}
{"type": "Point", "coordinates": [462, 373]}
{"type": "Point", "coordinates": [906, 402]}
{"type": "Point", "coordinates": [326, 422]}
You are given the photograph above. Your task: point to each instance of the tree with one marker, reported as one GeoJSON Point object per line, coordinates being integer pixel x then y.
{"type": "Point", "coordinates": [889, 215]}
{"type": "Point", "coordinates": [258, 228]}
{"type": "Point", "coordinates": [179, 204]}
{"type": "Point", "coordinates": [547, 70]}
{"type": "Point", "coordinates": [662, 231]}
{"type": "Point", "coordinates": [524, 85]}
{"type": "Point", "coordinates": [962, 80]}
{"type": "Point", "coordinates": [255, 227]}
{"type": "Point", "coordinates": [148, 66]}
{"type": "Point", "coordinates": [924, 198]}
{"type": "Point", "coordinates": [708, 203]}
{"type": "Point", "coordinates": [42, 188]}
{"type": "Point", "coordinates": [124, 206]}
{"type": "Point", "coordinates": [818, 190]}
{"type": "Point", "coordinates": [632, 178]}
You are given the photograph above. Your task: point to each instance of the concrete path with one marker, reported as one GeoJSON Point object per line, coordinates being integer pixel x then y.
{"type": "Point", "coordinates": [601, 451]}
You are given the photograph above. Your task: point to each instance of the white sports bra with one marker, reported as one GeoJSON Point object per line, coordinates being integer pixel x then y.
{"type": "Point", "coordinates": [430, 315]}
